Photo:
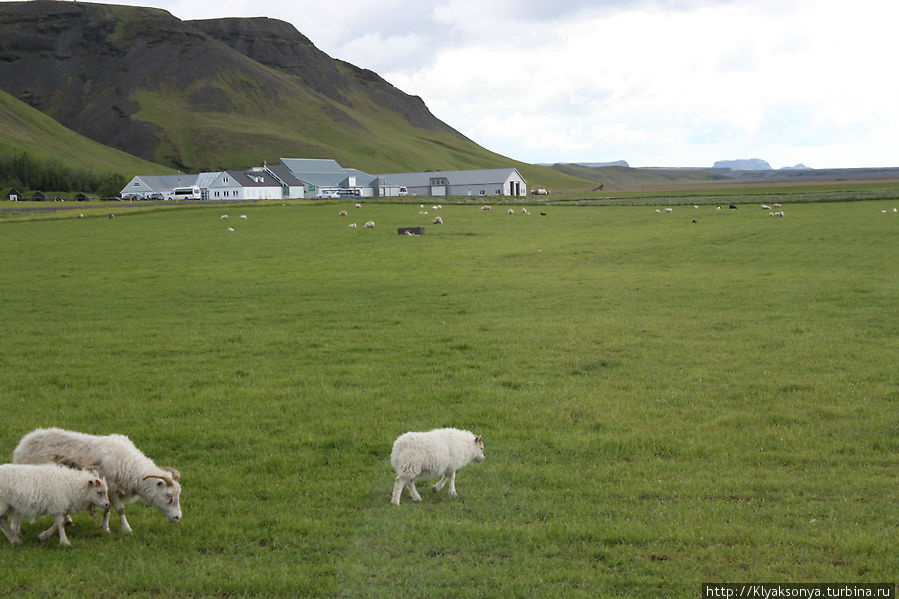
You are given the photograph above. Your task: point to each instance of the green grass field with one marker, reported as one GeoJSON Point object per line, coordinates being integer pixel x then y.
{"type": "Point", "coordinates": [664, 402]}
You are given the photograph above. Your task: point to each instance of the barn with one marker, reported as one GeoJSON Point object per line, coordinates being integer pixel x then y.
{"type": "Point", "coordinates": [483, 182]}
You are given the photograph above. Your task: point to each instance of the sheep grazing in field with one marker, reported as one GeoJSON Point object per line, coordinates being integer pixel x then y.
{"type": "Point", "coordinates": [668, 210]}
{"type": "Point", "coordinates": [224, 217]}
{"type": "Point", "coordinates": [766, 207]}
{"type": "Point", "coordinates": [777, 205]}
{"type": "Point", "coordinates": [230, 229]}
{"type": "Point", "coordinates": [439, 452]}
{"type": "Point", "coordinates": [437, 220]}
{"type": "Point", "coordinates": [486, 207]}
{"type": "Point", "coordinates": [369, 225]}
{"type": "Point", "coordinates": [243, 217]}
{"type": "Point", "coordinates": [128, 472]}
{"type": "Point", "coordinates": [511, 212]}
{"type": "Point", "coordinates": [658, 211]}
{"type": "Point", "coordinates": [31, 491]}
{"type": "Point", "coordinates": [358, 205]}
{"type": "Point", "coordinates": [342, 213]}
{"type": "Point", "coordinates": [81, 215]}
{"type": "Point", "coordinates": [352, 225]}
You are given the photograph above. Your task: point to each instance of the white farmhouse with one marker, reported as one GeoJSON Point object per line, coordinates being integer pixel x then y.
{"type": "Point", "coordinates": [254, 184]}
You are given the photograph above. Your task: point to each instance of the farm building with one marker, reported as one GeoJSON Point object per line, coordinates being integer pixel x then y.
{"type": "Point", "coordinates": [325, 178]}
{"type": "Point", "coordinates": [13, 195]}
{"type": "Point", "coordinates": [485, 182]}
{"type": "Point", "coordinates": [162, 187]}
{"type": "Point", "coordinates": [322, 178]}
{"type": "Point", "coordinates": [254, 184]}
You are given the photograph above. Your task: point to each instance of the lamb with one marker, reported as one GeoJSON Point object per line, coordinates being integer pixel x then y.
{"type": "Point", "coordinates": [438, 220]}
{"type": "Point", "coordinates": [243, 217]}
{"type": "Point", "coordinates": [31, 491]}
{"type": "Point", "coordinates": [439, 452]}
{"type": "Point", "coordinates": [369, 225]}
{"type": "Point", "coordinates": [128, 472]}
{"type": "Point", "coordinates": [342, 213]}
{"type": "Point", "coordinates": [486, 207]}
{"type": "Point", "coordinates": [224, 217]}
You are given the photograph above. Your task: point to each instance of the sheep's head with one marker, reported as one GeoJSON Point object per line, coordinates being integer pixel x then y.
{"type": "Point", "coordinates": [479, 450]}
{"type": "Point", "coordinates": [164, 492]}
{"type": "Point", "coordinates": [98, 491]}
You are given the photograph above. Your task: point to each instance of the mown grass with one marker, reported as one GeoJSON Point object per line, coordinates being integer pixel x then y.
{"type": "Point", "coordinates": [663, 402]}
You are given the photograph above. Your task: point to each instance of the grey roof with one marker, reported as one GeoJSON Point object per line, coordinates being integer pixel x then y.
{"type": "Point", "coordinates": [244, 179]}
{"type": "Point", "coordinates": [167, 182]}
{"type": "Point", "coordinates": [472, 177]}
{"type": "Point", "coordinates": [283, 174]}
{"type": "Point", "coordinates": [206, 179]}
{"type": "Point", "coordinates": [312, 166]}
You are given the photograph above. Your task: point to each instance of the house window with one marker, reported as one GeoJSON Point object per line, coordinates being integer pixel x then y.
{"type": "Point", "coordinates": [136, 184]}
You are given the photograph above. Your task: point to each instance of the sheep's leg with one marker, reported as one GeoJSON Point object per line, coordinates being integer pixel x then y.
{"type": "Point", "coordinates": [59, 523]}
{"type": "Point", "coordinates": [440, 483]}
{"type": "Point", "coordinates": [397, 491]}
{"type": "Point", "coordinates": [120, 509]}
{"type": "Point", "coordinates": [126, 528]}
{"type": "Point", "coordinates": [9, 532]}
{"type": "Point", "coordinates": [412, 490]}
{"type": "Point", "coordinates": [452, 483]}
{"type": "Point", "coordinates": [105, 524]}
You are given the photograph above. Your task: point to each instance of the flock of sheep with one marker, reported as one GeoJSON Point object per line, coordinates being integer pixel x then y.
{"type": "Point", "coordinates": [57, 472]}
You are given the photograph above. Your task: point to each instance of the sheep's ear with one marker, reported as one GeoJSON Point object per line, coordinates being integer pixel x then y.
{"type": "Point", "coordinates": [98, 483]}
{"type": "Point", "coordinates": [477, 439]}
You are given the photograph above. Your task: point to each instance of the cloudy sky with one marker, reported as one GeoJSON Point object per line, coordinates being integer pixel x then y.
{"type": "Point", "coordinates": [652, 82]}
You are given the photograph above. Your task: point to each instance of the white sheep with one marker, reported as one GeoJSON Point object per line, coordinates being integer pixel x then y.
{"type": "Point", "coordinates": [352, 225]}
{"type": "Point", "coordinates": [30, 491]}
{"type": "Point", "coordinates": [486, 207]}
{"type": "Point", "coordinates": [511, 212]}
{"type": "Point", "coordinates": [342, 213]}
{"type": "Point", "coordinates": [369, 225]}
{"type": "Point", "coordinates": [128, 472]}
{"type": "Point", "coordinates": [438, 220]}
{"type": "Point", "coordinates": [243, 217]}
{"type": "Point", "coordinates": [439, 452]}
{"type": "Point", "coordinates": [230, 229]}
{"type": "Point", "coordinates": [358, 205]}
{"type": "Point", "coordinates": [668, 210]}
{"type": "Point", "coordinates": [224, 217]}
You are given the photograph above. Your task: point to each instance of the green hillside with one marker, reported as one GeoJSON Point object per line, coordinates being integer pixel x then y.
{"type": "Point", "coordinates": [28, 130]}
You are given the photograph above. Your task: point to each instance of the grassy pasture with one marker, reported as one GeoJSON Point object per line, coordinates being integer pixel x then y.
{"type": "Point", "coordinates": [663, 402]}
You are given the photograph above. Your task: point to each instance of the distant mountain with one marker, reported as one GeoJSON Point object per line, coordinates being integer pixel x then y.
{"type": "Point", "coordinates": [751, 164]}
{"type": "Point", "coordinates": [221, 93]}
{"type": "Point", "coordinates": [798, 167]}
